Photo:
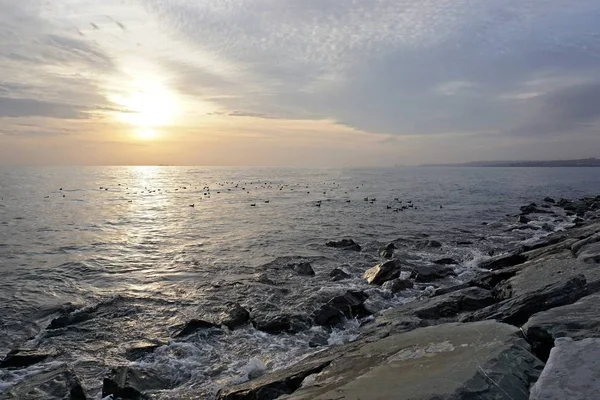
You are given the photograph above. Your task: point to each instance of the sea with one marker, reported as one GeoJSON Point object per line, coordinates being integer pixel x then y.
{"type": "Point", "coordinates": [149, 248]}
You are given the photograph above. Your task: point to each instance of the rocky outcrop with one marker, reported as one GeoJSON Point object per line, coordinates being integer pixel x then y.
{"type": "Point", "coordinates": [338, 274]}
{"type": "Point", "coordinates": [21, 358]}
{"type": "Point", "coordinates": [349, 305]}
{"type": "Point", "coordinates": [194, 325]}
{"type": "Point", "coordinates": [382, 273]}
{"type": "Point", "coordinates": [130, 383]}
{"type": "Point", "coordinates": [142, 348]}
{"type": "Point", "coordinates": [429, 273]}
{"type": "Point", "coordinates": [234, 316]}
{"type": "Point", "coordinates": [398, 285]}
{"type": "Point", "coordinates": [57, 383]}
{"type": "Point", "coordinates": [303, 268]}
{"type": "Point", "coordinates": [387, 252]}
{"type": "Point", "coordinates": [503, 261]}
{"type": "Point", "coordinates": [344, 244]}
{"type": "Point", "coordinates": [276, 323]}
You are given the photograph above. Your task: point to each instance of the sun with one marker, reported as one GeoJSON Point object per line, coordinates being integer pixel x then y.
{"type": "Point", "coordinates": [146, 133]}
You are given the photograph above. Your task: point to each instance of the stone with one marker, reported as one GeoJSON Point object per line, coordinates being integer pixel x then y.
{"type": "Point", "coordinates": [303, 268]}
{"type": "Point", "coordinates": [503, 261]}
{"type": "Point", "coordinates": [450, 289]}
{"type": "Point", "coordinates": [21, 358]}
{"type": "Point", "coordinates": [489, 280]}
{"type": "Point", "coordinates": [549, 200]}
{"type": "Point", "coordinates": [382, 273]}
{"type": "Point", "coordinates": [71, 318]}
{"type": "Point", "coordinates": [575, 247]}
{"type": "Point", "coordinates": [398, 285]}
{"type": "Point", "coordinates": [532, 209]}
{"type": "Point", "coordinates": [485, 360]}
{"type": "Point", "coordinates": [589, 254]}
{"type": "Point", "coordinates": [446, 261]}
{"type": "Point", "coordinates": [429, 273]}
{"type": "Point", "coordinates": [348, 305]}
{"type": "Point", "coordinates": [344, 244]}
{"type": "Point", "coordinates": [572, 371]}
{"type": "Point", "coordinates": [523, 219]}
{"type": "Point", "coordinates": [280, 323]}
{"type": "Point", "coordinates": [129, 383]}
{"type": "Point", "coordinates": [318, 339]}
{"type": "Point", "coordinates": [338, 274]}
{"type": "Point", "coordinates": [58, 383]}
{"type": "Point", "coordinates": [234, 316]}
{"type": "Point", "coordinates": [451, 304]}
{"type": "Point", "coordinates": [194, 325]}
{"type": "Point", "coordinates": [434, 244]}
{"type": "Point", "coordinates": [142, 348]}
{"type": "Point", "coordinates": [387, 252]}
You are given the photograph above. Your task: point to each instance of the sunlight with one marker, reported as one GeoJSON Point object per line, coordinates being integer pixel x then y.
{"type": "Point", "coordinates": [146, 133]}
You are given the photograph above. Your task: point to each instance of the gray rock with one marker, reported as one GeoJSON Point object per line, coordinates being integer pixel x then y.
{"type": "Point", "coordinates": [572, 372]}
{"type": "Point", "coordinates": [429, 273]}
{"type": "Point", "coordinates": [58, 383]}
{"type": "Point", "coordinates": [234, 316]}
{"type": "Point", "coordinates": [450, 289]}
{"type": "Point", "coordinates": [485, 360]}
{"type": "Point", "coordinates": [382, 273]}
{"type": "Point", "coordinates": [141, 348]}
{"type": "Point", "coordinates": [451, 304]}
{"type": "Point", "coordinates": [503, 261]}
{"type": "Point", "coordinates": [589, 253]}
{"type": "Point", "coordinates": [549, 200]}
{"type": "Point", "coordinates": [338, 274]}
{"type": "Point", "coordinates": [318, 339]}
{"type": "Point", "coordinates": [398, 285]}
{"type": "Point", "coordinates": [595, 238]}
{"type": "Point", "coordinates": [193, 326]}
{"type": "Point", "coordinates": [303, 268]}
{"type": "Point", "coordinates": [21, 358]}
{"type": "Point", "coordinates": [344, 244]}
{"type": "Point", "coordinates": [523, 219]}
{"type": "Point", "coordinates": [130, 383]}
{"type": "Point", "coordinates": [387, 251]}
{"type": "Point", "coordinates": [446, 261]}
{"type": "Point", "coordinates": [349, 305]}
{"type": "Point", "coordinates": [280, 323]}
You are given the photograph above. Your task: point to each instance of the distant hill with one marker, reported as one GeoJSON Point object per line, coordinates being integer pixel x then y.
{"type": "Point", "coordinates": [586, 162]}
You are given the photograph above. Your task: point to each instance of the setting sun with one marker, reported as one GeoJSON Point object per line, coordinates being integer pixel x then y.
{"type": "Point", "coordinates": [146, 133]}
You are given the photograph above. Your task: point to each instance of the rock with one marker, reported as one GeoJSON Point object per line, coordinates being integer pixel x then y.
{"type": "Point", "coordinates": [21, 358]}
{"type": "Point", "coordinates": [382, 273]}
{"type": "Point", "coordinates": [486, 360]}
{"type": "Point", "coordinates": [523, 219]}
{"type": "Point", "coordinates": [445, 261]}
{"type": "Point", "coordinates": [194, 325]}
{"type": "Point", "coordinates": [344, 244]}
{"type": "Point", "coordinates": [532, 209]}
{"type": "Point", "coordinates": [549, 200]}
{"type": "Point", "coordinates": [130, 383]}
{"type": "Point", "coordinates": [572, 371]}
{"type": "Point", "coordinates": [263, 278]}
{"type": "Point", "coordinates": [303, 268]}
{"type": "Point", "coordinates": [318, 339]}
{"type": "Point", "coordinates": [338, 274]}
{"type": "Point", "coordinates": [280, 323]}
{"type": "Point", "coordinates": [453, 303]}
{"type": "Point", "coordinates": [464, 243]}
{"type": "Point", "coordinates": [430, 243]}
{"type": "Point", "coordinates": [141, 348]}
{"type": "Point", "coordinates": [58, 383]}
{"type": "Point", "coordinates": [503, 261]}
{"type": "Point", "coordinates": [589, 254]}
{"type": "Point", "coordinates": [71, 318]}
{"type": "Point", "coordinates": [349, 305]}
{"type": "Point", "coordinates": [398, 285]}
{"type": "Point", "coordinates": [235, 316]}
{"type": "Point", "coordinates": [387, 252]}
{"type": "Point", "coordinates": [450, 289]}
{"type": "Point", "coordinates": [428, 273]}
{"type": "Point", "coordinates": [489, 280]}
{"type": "Point", "coordinates": [517, 310]}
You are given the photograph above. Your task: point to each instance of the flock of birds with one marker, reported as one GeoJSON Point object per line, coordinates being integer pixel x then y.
{"type": "Point", "coordinates": [397, 205]}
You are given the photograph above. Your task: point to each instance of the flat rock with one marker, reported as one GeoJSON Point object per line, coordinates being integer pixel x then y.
{"type": "Point", "coordinates": [348, 305]}
{"type": "Point", "coordinates": [58, 383]}
{"type": "Point", "coordinates": [485, 360]}
{"type": "Point", "coordinates": [193, 326]}
{"type": "Point", "coordinates": [398, 285]}
{"type": "Point", "coordinates": [576, 246]}
{"type": "Point", "coordinates": [21, 358]}
{"type": "Point", "coordinates": [142, 348]}
{"type": "Point", "coordinates": [130, 383]}
{"type": "Point", "coordinates": [382, 273]}
{"type": "Point", "coordinates": [338, 274]}
{"type": "Point", "coordinates": [344, 244]}
{"type": "Point", "coordinates": [429, 273]}
{"type": "Point", "coordinates": [503, 261]}
{"type": "Point", "coordinates": [303, 268]}
{"type": "Point", "coordinates": [590, 253]}
{"type": "Point", "coordinates": [446, 261]}
{"type": "Point", "coordinates": [279, 323]}
{"type": "Point", "coordinates": [572, 371]}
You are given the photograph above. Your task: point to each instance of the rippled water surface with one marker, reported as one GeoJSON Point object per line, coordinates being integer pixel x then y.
{"type": "Point", "coordinates": [126, 241]}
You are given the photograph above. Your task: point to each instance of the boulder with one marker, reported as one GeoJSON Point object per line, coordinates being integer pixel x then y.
{"type": "Point", "coordinates": [589, 254]}
{"type": "Point", "coordinates": [523, 219]}
{"type": "Point", "coordinates": [279, 323]}
{"type": "Point", "coordinates": [446, 261]}
{"type": "Point", "coordinates": [68, 318]}
{"type": "Point", "coordinates": [129, 383]}
{"type": "Point", "coordinates": [387, 252]}
{"type": "Point", "coordinates": [58, 383]}
{"type": "Point", "coordinates": [303, 268]}
{"type": "Point", "coordinates": [194, 325]}
{"type": "Point", "coordinates": [398, 285]}
{"type": "Point", "coordinates": [21, 358]}
{"type": "Point", "coordinates": [348, 305]}
{"type": "Point", "coordinates": [576, 246]}
{"type": "Point", "coordinates": [141, 348]}
{"type": "Point", "coordinates": [485, 360]}
{"type": "Point", "coordinates": [234, 316]}
{"type": "Point", "coordinates": [549, 200]}
{"type": "Point", "coordinates": [503, 261]}
{"type": "Point", "coordinates": [344, 244]}
{"type": "Point", "coordinates": [451, 304]}
{"type": "Point", "coordinates": [382, 273]}
{"type": "Point", "coordinates": [318, 339]}
{"type": "Point", "coordinates": [532, 209]}
{"type": "Point", "coordinates": [489, 280]}
{"type": "Point", "coordinates": [572, 371]}
{"type": "Point", "coordinates": [338, 274]}
{"type": "Point", "coordinates": [429, 273]}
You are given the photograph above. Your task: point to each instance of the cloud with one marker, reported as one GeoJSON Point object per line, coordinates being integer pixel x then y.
{"type": "Point", "coordinates": [17, 108]}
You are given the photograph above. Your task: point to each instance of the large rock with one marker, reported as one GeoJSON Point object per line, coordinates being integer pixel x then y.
{"type": "Point", "coordinates": [194, 325]}
{"type": "Point", "coordinates": [572, 372]}
{"type": "Point", "coordinates": [429, 273]}
{"type": "Point", "coordinates": [344, 244]}
{"type": "Point", "coordinates": [485, 360]}
{"type": "Point", "coordinates": [382, 273]}
{"type": "Point", "coordinates": [349, 305]}
{"type": "Point", "coordinates": [576, 246]}
{"type": "Point", "coordinates": [338, 274]}
{"type": "Point", "coordinates": [589, 253]}
{"type": "Point", "coordinates": [276, 323]}
{"type": "Point", "coordinates": [21, 358]}
{"type": "Point", "coordinates": [142, 348]}
{"type": "Point", "coordinates": [130, 383]}
{"type": "Point", "coordinates": [235, 315]}
{"type": "Point", "coordinates": [451, 304]}
{"type": "Point", "coordinates": [398, 285]}
{"type": "Point", "coordinates": [303, 268]}
{"type": "Point", "coordinates": [503, 261]}
{"type": "Point", "coordinates": [58, 383]}
{"type": "Point", "coordinates": [387, 251]}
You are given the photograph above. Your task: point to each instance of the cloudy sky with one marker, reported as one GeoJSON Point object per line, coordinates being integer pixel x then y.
{"type": "Point", "coordinates": [298, 82]}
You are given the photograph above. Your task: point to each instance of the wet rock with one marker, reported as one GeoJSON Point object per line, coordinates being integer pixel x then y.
{"type": "Point", "coordinates": [549, 200]}
{"type": "Point", "coordinates": [450, 289]}
{"type": "Point", "coordinates": [517, 310]}
{"type": "Point", "coordinates": [264, 278]}
{"type": "Point", "coordinates": [429, 273]}
{"type": "Point", "coordinates": [58, 383]}
{"type": "Point", "coordinates": [523, 219]}
{"type": "Point", "coordinates": [434, 244]}
{"type": "Point", "coordinates": [464, 243]}
{"type": "Point", "coordinates": [532, 209]}
{"type": "Point", "coordinates": [318, 339]}
{"type": "Point", "coordinates": [503, 261]}
{"type": "Point", "coordinates": [486, 360]}
{"type": "Point", "coordinates": [589, 253]}
{"type": "Point", "coordinates": [71, 318]}
{"type": "Point", "coordinates": [234, 316]}
{"type": "Point", "coordinates": [571, 372]}
{"type": "Point", "coordinates": [382, 273]}
{"type": "Point", "coordinates": [387, 252]}
{"type": "Point", "coordinates": [398, 285]}
{"type": "Point", "coordinates": [280, 323]}
{"type": "Point", "coordinates": [489, 280]}
{"type": "Point", "coordinates": [339, 274]}
{"type": "Point", "coordinates": [453, 303]}
{"type": "Point", "coordinates": [130, 383]}
{"type": "Point", "coordinates": [21, 358]}
{"type": "Point", "coordinates": [142, 348]}
{"type": "Point", "coordinates": [348, 305]}
{"type": "Point", "coordinates": [303, 268]}
{"type": "Point", "coordinates": [344, 244]}
{"type": "Point", "coordinates": [193, 326]}
{"type": "Point", "coordinates": [446, 261]}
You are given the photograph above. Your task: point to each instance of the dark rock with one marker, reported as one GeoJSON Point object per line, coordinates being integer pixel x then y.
{"type": "Point", "coordinates": [594, 238]}
{"type": "Point", "coordinates": [428, 273]}
{"type": "Point", "coordinates": [130, 383]}
{"type": "Point", "coordinates": [344, 244]}
{"type": "Point", "coordinates": [337, 274]}
{"type": "Point", "coordinates": [303, 268]}
{"type": "Point", "coordinates": [263, 278]}
{"type": "Point", "coordinates": [71, 318]}
{"type": "Point", "coordinates": [280, 323]}
{"type": "Point", "coordinates": [523, 219]}
{"type": "Point", "coordinates": [349, 305]}
{"type": "Point", "coordinates": [234, 316]}
{"type": "Point", "coordinates": [58, 383]}
{"type": "Point", "coordinates": [318, 339]}
{"type": "Point", "coordinates": [382, 273]}
{"type": "Point", "coordinates": [398, 285]}
{"type": "Point", "coordinates": [544, 242]}
{"type": "Point", "coordinates": [387, 252]}
{"type": "Point", "coordinates": [194, 325]}
{"type": "Point", "coordinates": [549, 200]}
{"type": "Point", "coordinates": [503, 261]}
{"type": "Point", "coordinates": [142, 348]}
{"type": "Point", "coordinates": [589, 253]}
{"type": "Point", "coordinates": [450, 289]}
{"type": "Point", "coordinates": [21, 358]}
{"type": "Point", "coordinates": [489, 280]}
{"type": "Point", "coordinates": [446, 261]}
{"type": "Point", "coordinates": [430, 243]}
{"type": "Point", "coordinates": [464, 243]}
{"type": "Point", "coordinates": [532, 209]}
{"type": "Point", "coordinates": [453, 303]}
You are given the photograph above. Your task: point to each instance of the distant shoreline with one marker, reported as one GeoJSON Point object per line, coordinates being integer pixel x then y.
{"type": "Point", "coordinates": [588, 162]}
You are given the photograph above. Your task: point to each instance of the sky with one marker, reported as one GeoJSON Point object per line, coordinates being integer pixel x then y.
{"type": "Point", "coordinates": [298, 82]}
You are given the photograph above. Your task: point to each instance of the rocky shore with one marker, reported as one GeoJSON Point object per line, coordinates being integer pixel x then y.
{"type": "Point", "coordinates": [527, 326]}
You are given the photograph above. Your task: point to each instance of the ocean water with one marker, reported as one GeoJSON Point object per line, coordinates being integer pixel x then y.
{"type": "Point", "coordinates": [125, 242]}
